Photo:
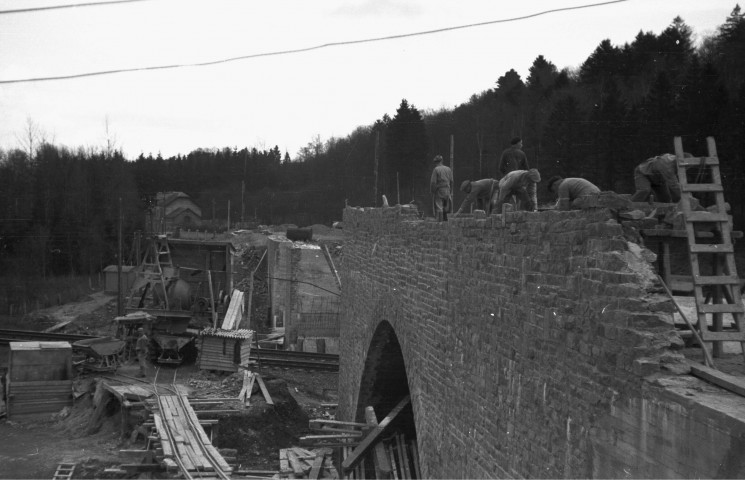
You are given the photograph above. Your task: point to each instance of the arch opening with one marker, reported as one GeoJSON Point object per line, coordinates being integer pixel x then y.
{"type": "Point", "coordinates": [384, 386]}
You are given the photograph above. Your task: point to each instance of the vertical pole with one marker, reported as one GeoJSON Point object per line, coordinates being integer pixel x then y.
{"type": "Point", "coordinates": [119, 265]}
{"type": "Point", "coordinates": [213, 212]}
{"type": "Point", "coordinates": [375, 169]}
{"type": "Point", "coordinates": [398, 190]}
{"type": "Point", "coordinates": [243, 204]}
{"type": "Point", "coordinates": [228, 215]}
{"type": "Point", "coordinates": [452, 167]}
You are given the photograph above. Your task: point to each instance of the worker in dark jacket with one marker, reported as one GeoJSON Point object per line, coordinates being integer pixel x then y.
{"type": "Point", "coordinates": [479, 191]}
{"type": "Point", "coordinates": [657, 176]}
{"type": "Point", "coordinates": [569, 189]}
{"type": "Point", "coordinates": [513, 158]}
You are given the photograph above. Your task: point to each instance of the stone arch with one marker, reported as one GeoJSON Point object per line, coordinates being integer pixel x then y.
{"type": "Point", "coordinates": [384, 382]}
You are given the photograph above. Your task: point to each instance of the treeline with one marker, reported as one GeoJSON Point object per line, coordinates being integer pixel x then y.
{"type": "Point", "coordinates": [60, 207]}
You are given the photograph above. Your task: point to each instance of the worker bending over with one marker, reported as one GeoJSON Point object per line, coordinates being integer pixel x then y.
{"type": "Point", "coordinates": [479, 191]}
{"type": "Point", "coordinates": [521, 184]}
{"type": "Point", "coordinates": [569, 189]}
{"type": "Point", "coordinates": [657, 176]}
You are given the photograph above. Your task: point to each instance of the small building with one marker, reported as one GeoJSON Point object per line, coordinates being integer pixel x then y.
{"type": "Point", "coordinates": [111, 279]}
{"type": "Point", "coordinates": [224, 349]}
{"type": "Point", "coordinates": [175, 209]}
{"type": "Point", "coordinates": [39, 378]}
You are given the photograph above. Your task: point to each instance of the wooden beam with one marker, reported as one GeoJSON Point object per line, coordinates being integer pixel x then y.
{"type": "Point", "coordinates": [374, 435]}
{"type": "Point", "coordinates": [315, 471]}
{"type": "Point", "coordinates": [264, 391]}
{"type": "Point", "coordinates": [380, 458]}
{"type": "Point", "coordinates": [721, 379]}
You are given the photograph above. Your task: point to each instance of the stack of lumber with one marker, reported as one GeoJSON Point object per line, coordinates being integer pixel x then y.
{"type": "Point", "coordinates": [298, 462]}
{"type": "Point", "coordinates": [234, 315]}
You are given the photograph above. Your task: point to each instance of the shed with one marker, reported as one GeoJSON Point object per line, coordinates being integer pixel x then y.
{"type": "Point", "coordinates": [39, 378]}
{"type": "Point", "coordinates": [110, 279]}
{"type": "Point", "coordinates": [224, 349]}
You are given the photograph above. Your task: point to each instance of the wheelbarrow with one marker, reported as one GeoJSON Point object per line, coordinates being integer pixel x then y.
{"type": "Point", "coordinates": [101, 354]}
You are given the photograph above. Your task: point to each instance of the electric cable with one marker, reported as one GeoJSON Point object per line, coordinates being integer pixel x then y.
{"type": "Point", "coordinates": [304, 49]}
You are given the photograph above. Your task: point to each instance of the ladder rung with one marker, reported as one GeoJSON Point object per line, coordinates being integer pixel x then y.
{"type": "Point", "coordinates": [701, 187]}
{"type": "Point", "coordinates": [696, 161]}
{"type": "Point", "coordinates": [718, 248]}
{"type": "Point", "coordinates": [709, 336]}
{"type": "Point", "coordinates": [720, 308]}
{"type": "Point", "coordinates": [707, 217]}
{"type": "Point", "coordinates": [716, 280]}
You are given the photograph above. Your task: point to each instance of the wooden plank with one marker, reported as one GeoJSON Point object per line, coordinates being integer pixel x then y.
{"type": "Point", "coordinates": [298, 468]}
{"type": "Point", "coordinates": [199, 431]}
{"type": "Point", "coordinates": [264, 391]}
{"type": "Point", "coordinates": [720, 308]}
{"type": "Point", "coordinates": [315, 471]}
{"type": "Point", "coordinates": [394, 467]}
{"type": "Point", "coordinates": [415, 459]}
{"type": "Point", "coordinates": [701, 187]}
{"type": "Point", "coordinates": [380, 459]}
{"type": "Point", "coordinates": [403, 455]}
{"type": "Point", "coordinates": [374, 435]}
{"type": "Point", "coordinates": [729, 382]}
{"type": "Point", "coordinates": [284, 463]}
{"type": "Point", "coordinates": [711, 248]}
{"type": "Point", "coordinates": [317, 421]}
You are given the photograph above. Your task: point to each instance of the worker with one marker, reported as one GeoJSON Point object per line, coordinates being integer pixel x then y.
{"type": "Point", "coordinates": [480, 191]}
{"type": "Point", "coordinates": [441, 186]}
{"type": "Point", "coordinates": [569, 189]}
{"type": "Point", "coordinates": [521, 184]}
{"type": "Point", "coordinates": [657, 176]}
{"type": "Point", "coordinates": [142, 347]}
{"type": "Point", "coordinates": [513, 158]}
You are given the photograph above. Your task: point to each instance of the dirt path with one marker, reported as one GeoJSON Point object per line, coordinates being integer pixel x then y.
{"type": "Point", "coordinates": [69, 313]}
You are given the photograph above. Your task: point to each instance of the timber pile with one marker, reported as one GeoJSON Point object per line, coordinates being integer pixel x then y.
{"type": "Point", "coordinates": [248, 384]}
{"type": "Point", "coordinates": [298, 462]}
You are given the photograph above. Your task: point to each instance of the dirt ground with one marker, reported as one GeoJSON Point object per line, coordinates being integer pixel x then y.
{"type": "Point", "coordinates": [33, 448]}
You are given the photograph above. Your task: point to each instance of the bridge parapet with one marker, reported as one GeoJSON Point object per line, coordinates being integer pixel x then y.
{"type": "Point", "coordinates": [532, 345]}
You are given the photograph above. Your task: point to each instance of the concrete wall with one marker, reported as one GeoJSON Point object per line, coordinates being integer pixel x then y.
{"type": "Point", "coordinates": [304, 293]}
{"type": "Point", "coordinates": [534, 345]}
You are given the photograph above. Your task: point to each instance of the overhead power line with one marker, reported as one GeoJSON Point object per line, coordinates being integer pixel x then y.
{"type": "Point", "coordinates": [305, 49]}
{"type": "Point", "coordinates": [73, 5]}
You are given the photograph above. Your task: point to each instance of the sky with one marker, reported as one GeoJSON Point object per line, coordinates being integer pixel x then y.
{"type": "Point", "coordinates": [290, 98]}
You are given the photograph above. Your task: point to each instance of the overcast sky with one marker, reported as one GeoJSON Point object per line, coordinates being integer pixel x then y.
{"type": "Point", "coordinates": [286, 99]}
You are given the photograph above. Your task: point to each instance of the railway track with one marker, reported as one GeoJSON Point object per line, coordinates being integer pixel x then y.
{"type": "Point", "coordinates": [7, 336]}
{"type": "Point", "coordinates": [290, 359]}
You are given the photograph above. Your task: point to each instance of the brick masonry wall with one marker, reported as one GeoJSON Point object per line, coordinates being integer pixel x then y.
{"type": "Point", "coordinates": [533, 346]}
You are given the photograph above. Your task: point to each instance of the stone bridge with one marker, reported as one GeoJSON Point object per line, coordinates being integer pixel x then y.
{"type": "Point", "coordinates": [531, 344]}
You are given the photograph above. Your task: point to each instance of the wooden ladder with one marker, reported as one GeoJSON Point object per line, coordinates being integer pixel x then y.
{"type": "Point", "coordinates": [64, 471]}
{"type": "Point", "coordinates": [723, 280]}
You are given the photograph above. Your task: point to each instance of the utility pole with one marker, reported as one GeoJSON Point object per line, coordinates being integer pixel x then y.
{"type": "Point", "coordinates": [398, 190]}
{"type": "Point", "coordinates": [228, 215]}
{"type": "Point", "coordinates": [243, 204]}
{"type": "Point", "coordinates": [119, 265]}
{"type": "Point", "coordinates": [452, 162]}
{"type": "Point", "coordinates": [375, 169]}
{"type": "Point", "coordinates": [214, 220]}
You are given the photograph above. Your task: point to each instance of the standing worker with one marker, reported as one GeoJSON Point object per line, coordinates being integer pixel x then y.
{"type": "Point", "coordinates": [513, 158]}
{"type": "Point", "coordinates": [441, 186]}
{"type": "Point", "coordinates": [569, 189]}
{"type": "Point", "coordinates": [657, 176]}
{"type": "Point", "coordinates": [523, 185]}
{"type": "Point", "coordinates": [142, 347]}
{"type": "Point", "coordinates": [480, 191]}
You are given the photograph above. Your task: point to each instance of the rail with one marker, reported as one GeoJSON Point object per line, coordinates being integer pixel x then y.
{"type": "Point", "coordinates": [7, 336]}
{"type": "Point", "coordinates": [291, 359]}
